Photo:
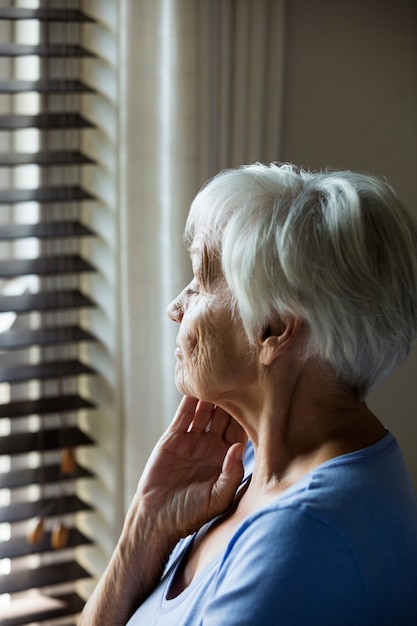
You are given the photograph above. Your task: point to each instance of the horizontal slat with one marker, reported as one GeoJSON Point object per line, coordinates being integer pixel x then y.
{"type": "Point", "coordinates": [44, 406]}
{"type": "Point", "coordinates": [43, 371]}
{"type": "Point", "coordinates": [44, 15]}
{"type": "Point", "coordinates": [41, 50]}
{"type": "Point", "coordinates": [49, 121]}
{"type": "Point", "coordinates": [43, 577]}
{"type": "Point", "coordinates": [72, 604]}
{"type": "Point", "coordinates": [44, 195]}
{"type": "Point", "coordinates": [45, 301]}
{"type": "Point", "coordinates": [52, 158]}
{"type": "Point", "coordinates": [45, 230]}
{"type": "Point", "coordinates": [23, 511]}
{"type": "Point", "coordinates": [48, 439]}
{"type": "Point", "coordinates": [50, 335]}
{"type": "Point", "coordinates": [20, 547]}
{"type": "Point", "coordinates": [32, 476]}
{"type": "Point", "coordinates": [44, 86]}
{"type": "Point", "coordinates": [45, 266]}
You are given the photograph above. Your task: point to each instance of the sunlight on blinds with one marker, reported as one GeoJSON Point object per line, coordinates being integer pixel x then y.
{"type": "Point", "coordinates": [44, 362]}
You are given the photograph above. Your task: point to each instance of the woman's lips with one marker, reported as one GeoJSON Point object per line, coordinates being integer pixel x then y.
{"type": "Point", "coordinates": [178, 352]}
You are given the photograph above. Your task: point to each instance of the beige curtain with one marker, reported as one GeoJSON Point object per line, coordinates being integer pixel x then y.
{"type": "Point", "coordinates": [200, 89]}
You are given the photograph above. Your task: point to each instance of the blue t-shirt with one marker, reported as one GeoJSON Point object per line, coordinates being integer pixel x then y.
{"type": "Point", "coordinates": [338, 548]}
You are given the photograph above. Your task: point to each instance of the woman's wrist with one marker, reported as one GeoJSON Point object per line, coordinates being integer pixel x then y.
{"type": "Point", "coordinates": [148, 528]}
{"type": "Point", "coordinates": [133, 572]}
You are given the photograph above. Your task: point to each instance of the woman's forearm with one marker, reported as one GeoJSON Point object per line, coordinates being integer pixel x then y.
{"type": "Point", "coordinates": [134, 570]}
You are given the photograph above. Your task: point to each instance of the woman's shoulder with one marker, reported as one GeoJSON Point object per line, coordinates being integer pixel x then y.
{"type": "Point", "coordinates": [331, 536]}
{"type": "Point", "coordinates": [345, 496]}
{"type": "Point", "coordinates": [369, 477]}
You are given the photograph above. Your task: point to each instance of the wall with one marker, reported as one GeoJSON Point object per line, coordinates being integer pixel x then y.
{"type": "Point", "coordinates": [350, 101]}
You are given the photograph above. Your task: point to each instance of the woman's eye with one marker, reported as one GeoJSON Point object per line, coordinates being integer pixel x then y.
{"type": "Point", "coordinates": [192, 289]}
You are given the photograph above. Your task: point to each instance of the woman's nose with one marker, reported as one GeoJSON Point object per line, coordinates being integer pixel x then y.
{"type": "Point", "coordinates": [175, 310]}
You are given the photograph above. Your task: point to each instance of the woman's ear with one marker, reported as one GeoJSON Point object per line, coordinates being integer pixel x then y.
{"type": "Point", "coordinates": [275, 340]}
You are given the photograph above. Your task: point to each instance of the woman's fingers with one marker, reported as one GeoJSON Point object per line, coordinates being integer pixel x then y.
{"type": "Point", "coordinates": [220, 422]}
{"type": "Point", "coordinates": [185, 414]}
{"type": "Point", "coordinates": [200, 417]}
{"type": "Point", "coordinates": [235, 433]}
{"type": "Point", "coordinates": [227, 427]}
{"type": "Point", "coordinates": [203, 416]}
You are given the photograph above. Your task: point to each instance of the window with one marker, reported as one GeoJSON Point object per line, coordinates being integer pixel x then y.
{"type": "Point", "coordinates": [54, 323]}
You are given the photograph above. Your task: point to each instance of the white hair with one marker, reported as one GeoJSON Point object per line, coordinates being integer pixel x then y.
{"type": "Point", "coordinates": [336, 249]}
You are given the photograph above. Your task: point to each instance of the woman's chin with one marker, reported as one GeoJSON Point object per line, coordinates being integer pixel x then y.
{"type": "Point", "coordinates": [182, 383]}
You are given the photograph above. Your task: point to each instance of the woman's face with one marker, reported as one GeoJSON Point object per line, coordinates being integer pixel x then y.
{"type": "Point", "coordinates": [214, 359]}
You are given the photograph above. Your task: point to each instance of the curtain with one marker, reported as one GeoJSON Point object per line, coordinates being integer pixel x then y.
{"type": "Point", "coordinates": [202, 91]}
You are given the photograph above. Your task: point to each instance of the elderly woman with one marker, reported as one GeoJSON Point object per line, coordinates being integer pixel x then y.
{"type": "Point", "coordinates": [304, 298]}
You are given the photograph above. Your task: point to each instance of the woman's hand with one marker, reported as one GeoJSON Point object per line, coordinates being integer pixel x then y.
{"type": "Point", "coordinates": [191, 476]}
{"type": "Point", "coordinates": [195, 469]}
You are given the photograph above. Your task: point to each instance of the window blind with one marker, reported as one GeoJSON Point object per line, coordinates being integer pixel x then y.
{"type": "Point", "coordinates": [43, 237]}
